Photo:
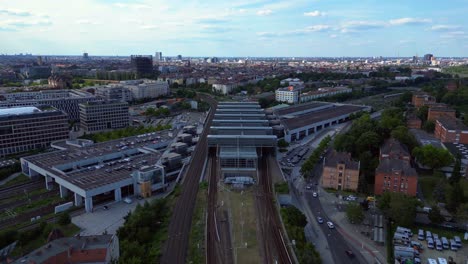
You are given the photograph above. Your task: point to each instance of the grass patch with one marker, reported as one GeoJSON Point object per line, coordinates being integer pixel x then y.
{"type": "Point", "coordinates": [342, 192]}
{"type": "Point", "coordinates": [282, 187]}
{"type": "Point", "coordinates": [17, 180]}
{"type": "Point", "coordinates": [124, 132]}
{"type": "Point", "coordinates": [244, 226]}
{"type": "Point", "coordinates": [196, 252]}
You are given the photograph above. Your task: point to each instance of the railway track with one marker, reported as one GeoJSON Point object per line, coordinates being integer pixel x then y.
{"type": "Point", "coordinates": [274, 246]}
{"type": "Point", "coordinates": [24, 201]}
{"type": "Point", "coordinates": [176, 246]}
{"type": "Point", "coordinates": [10, 191]}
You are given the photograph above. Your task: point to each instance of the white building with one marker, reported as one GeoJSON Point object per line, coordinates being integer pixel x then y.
{"type": "Point", "coordinates": [149, 89]}
{"type": "Point", "coordinates": [224, 88]}
{"type": "Point", "coordinates": [288, 94]}
{"type": "Point", "coordinates": [292, 82]}
{"type": "Point", "coordinates": [324, 92]}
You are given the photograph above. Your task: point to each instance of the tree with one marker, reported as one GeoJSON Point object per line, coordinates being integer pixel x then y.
{"type": "Point", "coordinates": [435, 216]}
{"type": "Point", "coordinates": [293, 216]}
{"type": "Point", "coordinates": [462, 212]}
{"type": "Point", "coordinates": [354, 213]}
{"type": "Point", "coordinates": [422, 113]}
{"type": "Point", "coordinates": [439, 191]}
{"type": "Point", "coordinates": [282, 143]}
{"type": "Point", "coordinates": [64, 219]}
{"type": "Point", "coordinates": [455, 178]}
{"type": "Point", "coordinates": [455, 197]}
{"type": "Point", "coordinates": [432, 157]}
{"type": "Point", "coordinates": [429, 126]}
{"type": "Point", "coordinates": [402, 209]}
{"type": "Point", "coordinates": [368, 140]}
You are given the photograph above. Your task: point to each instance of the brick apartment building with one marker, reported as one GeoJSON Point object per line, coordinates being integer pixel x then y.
{"type": "Point", "coordinates": [412, 121]}
{"type": "Point", "coordinates": [394, 173]}
{"type": "Point", "coordinates": [435, 112]}
{"type": "Point", "coordinates": [419, 100]}
{"type": "Point", "coordinates": [340, 172]}
{"type": "Point", "coordinates": [451, 130]}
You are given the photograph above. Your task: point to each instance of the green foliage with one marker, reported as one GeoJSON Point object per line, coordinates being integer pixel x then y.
{"type": "Point", "coordinates": [309, 164]}
{"type": "Point", "coordinates": [435, 216]}
{"type": "Point", "coordinates": [432, 157]}
{"type": "Point", "coordinates": [455, 197]}
{"type": "Point", "coordinates": [462, 70]}
{"type": "Point", "coordinates": [399, 207]}
{"type": "Point", "coordinates": [354, 213]}
{"type": "Point", "coordinates": [402, 134]}
{"type": "Point", "coordinates": [282, 143]}
{"type": "Point", "coordinates": [294, 222]}
{"type": "Point", "coordinates": [64, 219]}
{"type": "Point", "coordinates": [7, 171]}
{"type": "Point", "coordinates": [160, 112]}
{"type": "Point", "coordinates": [456, 175]}
{"type": "Point", "coordinates": [7, 237]}
{"type": "Point", "coordinates": [422, 113]}
{"type": "Point", "coordinates": [186, 93]}
{"type": "Point", "coordinates": [143, 233]}
{"type": "Point", "coordinates": [125, 132]}
{"type": "Point", "coordinates": [282, 187]}
{"type": "Point", "coordinates": [429, 126]}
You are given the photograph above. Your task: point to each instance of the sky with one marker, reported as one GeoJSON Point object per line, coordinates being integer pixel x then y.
{"type": "Point", "coordinates": [232, 28]}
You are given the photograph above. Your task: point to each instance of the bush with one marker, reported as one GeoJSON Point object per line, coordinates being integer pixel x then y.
{"type": "Point", "coordinates": [64, 219]}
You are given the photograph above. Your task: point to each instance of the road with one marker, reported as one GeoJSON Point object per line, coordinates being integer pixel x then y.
{"type": "Point", "coordinates": [336, 241]}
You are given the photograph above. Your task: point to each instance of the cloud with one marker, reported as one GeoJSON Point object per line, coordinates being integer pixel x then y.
{"type": "Point", "coordinates": [444, 27]}
{"type": "Point", "coordinates": [215, 29]}
{"type": "Point", "coordinates": [211, 20]}
{"type": "Point", "coordinates": [264, 12]}
{"type": "Point", "coordinates": [297, 32]}
{"type": "Point", "coordinates": [15, 12]}
{"type": "Point", "coordinates": [133, 6]}
{"type": "Point", "coordinates": [333, 36]}
{"type": "Point", "coordinates": [149, 27]}
{"type": "Point", "coordinates": [315, 13]}
{"type": "Point", "coordinates": [86, 22]}
{"type": "Point", "coordinates": [317, 28]}
{"type": "Point", "coordinates": [409, 21]}
{"type": "Point", "coordinates": [355, 26]}
{"type": "Point", "coordinates": [24, 23]}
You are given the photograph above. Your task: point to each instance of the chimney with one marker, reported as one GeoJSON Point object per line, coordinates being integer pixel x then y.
{"type": "Point", "coordinates": [70, 251]}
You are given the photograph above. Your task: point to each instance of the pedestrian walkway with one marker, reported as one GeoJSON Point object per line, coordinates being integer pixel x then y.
{"type": "Point", "coordinates": [11, 177]}
{"type": "Point", "coordinates": [350, 232]}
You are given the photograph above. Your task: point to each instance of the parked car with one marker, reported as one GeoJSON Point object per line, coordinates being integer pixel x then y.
{"type": "Point", "coordinates": [320, 220]}
{"type": "Point", "coordinates": [349, 253]}
{"type": "Point", "coordinates": [127, 200]}
{"type": "Point", "coordinates": [330, 225]}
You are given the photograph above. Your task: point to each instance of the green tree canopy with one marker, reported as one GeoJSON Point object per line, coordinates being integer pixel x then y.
{"type": "Point", "coordinates": [432, 157]}
{"type": "Point", "coordinates": [354, 213]}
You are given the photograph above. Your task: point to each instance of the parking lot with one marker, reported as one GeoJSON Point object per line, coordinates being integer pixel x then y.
{"type": "Point", "coordinates": [459, 256]}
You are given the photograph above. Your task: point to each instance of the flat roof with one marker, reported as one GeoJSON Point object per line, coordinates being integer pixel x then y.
{"type": "Point", "coordinates": [103, 163]}
{"type": "Point", "coordinates": [299, 108]}
{"type": "Point", "coordinates": [318, 116]}
{"type": "Point", "coordinates": [425, 138]}
{"type": "Point", "coordinates": [452, 123]}
{"type": "Point", "coordinates": [235, 152]}
{"type": "Point", "coordinates": [19, 110]}
{"type": "Point", "coordinates": [456, 148]}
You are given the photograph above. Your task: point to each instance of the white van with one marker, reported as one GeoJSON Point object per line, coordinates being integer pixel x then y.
{"type": "Point", "coordinates": [399, 238]}
{"type": "Point", "coordinates": [442, 261]}
{"type": "Point", "coordinates": [457, 241]}
{"type": "Point", "coordinates": [438, 244]}
{"type": "Point", "coordinates": [431, 261]}
{"type": "Point", "coordinates": [453, 245]}
{"type": "Point", "coordinates": [421, 234]}
{"type": "Point", "coordinates": [430, 243]}
{"type": "Point", "coordinates": [445, 243]}
{"type": "Point", "coordinates": [404, 230]}
{"type": "Point", "coordinates": [428, 234]}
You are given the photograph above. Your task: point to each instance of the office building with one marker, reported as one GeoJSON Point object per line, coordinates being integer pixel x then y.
{"type": "Point", "coordinates": [292, 82]}
{"type": "Point", "coordinates": [147, 89]}
{"type": "Point", "coordinates": [419, 100]}
{"type": "Point", "coordinates": [142, 65]}
{"type": "Point", "coordinates": [395, 175]}
{"type": "Point", "coordinates": [105, 115]}
{"type": "Point", "coordinates": [65, 100]}
{"type": "Point", "coordinates": [158, 56]}
{"type": "Point", "coordinates": [340, 172]}
{"type": "Point", "coordinates": [27, 128]}
{"type": "Point", "coordinates": [224, 88]}
{"type": "Point", "coordinates": [288, 94]}
{"type": "Point", "coordinates": [114, 92]}
{"type": "Point", "coordinates": [324, 92]}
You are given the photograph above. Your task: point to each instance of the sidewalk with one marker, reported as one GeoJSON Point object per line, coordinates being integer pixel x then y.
{"type": "Point", "coordinates": [350, 231]}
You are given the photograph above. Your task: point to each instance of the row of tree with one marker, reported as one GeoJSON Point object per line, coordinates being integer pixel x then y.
{"type": "Point", "coordinates": [125, 132]}
{"type": "Point", "coordinates": [309, 164]}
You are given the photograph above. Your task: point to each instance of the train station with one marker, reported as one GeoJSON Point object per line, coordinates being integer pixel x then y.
{"type": "Point", "coordinates": [239, 135]}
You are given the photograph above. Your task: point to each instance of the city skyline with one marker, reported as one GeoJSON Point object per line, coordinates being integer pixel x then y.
{"type": "Point", "coordinates": [245, 28]}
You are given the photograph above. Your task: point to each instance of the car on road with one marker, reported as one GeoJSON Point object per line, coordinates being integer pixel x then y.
{"type": "Point", "coordinates": [314, 194]}
{"type": "Point", "coordinates": [308, 187]}
{"type": "Point", "coordinates": [127, 200]}
{"type": "Point", "coordinates": [349, 253]}
{"type": "Point", "coordinates": [330, 225]}
{"type": "Point", "coordinates": [351, 198]}
{"type": "Point", "coordinates": [320, 220]}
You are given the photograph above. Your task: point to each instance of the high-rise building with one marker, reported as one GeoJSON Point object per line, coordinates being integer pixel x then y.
{"type": "Point", "coordinates": [85, 56]}
{"type": "Point", "coordinates": [179, 57]}
{"type": "Point", "coordinates": [142, 65]}
{"type": "Point", "coordinates": [428, 57]}
{"type": "Point", "coordinates": [27, 128]}
{"type": "Point", "coordinates": [104, 115]}
{"type": "Point", "coordinates": [158, 56]}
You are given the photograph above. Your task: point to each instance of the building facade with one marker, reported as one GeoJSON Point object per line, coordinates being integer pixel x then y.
{"type": "Point", "coordinates": [419, 100]}
{"type": "Point", "coordinates": [224, 88]}
{"type": "Point", "coordinates": [451, 130]}
{"type": "Point", "coordinates": [65, 100]}
{"type": "Point", "coordinates": [394, 175]}
{"type": "Point", "coordinates": [101, 116]}
{"type": "Point", "coordinates": [142, 65]}
{"type": "Point", "coordinates": [324, 92]}
{"type": "Point", "coordinates": [289, 95]}
{"type": "Point", "coordinates": [340, 172]}
{"type": "Point", "coordinates": [148, 89]}
{"type": "Point", "coordinates": [114, 93]}
{"type": "Point", "coordinates": [27, 128]}
{"type": "Point", "coordinates": [436, 112]}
